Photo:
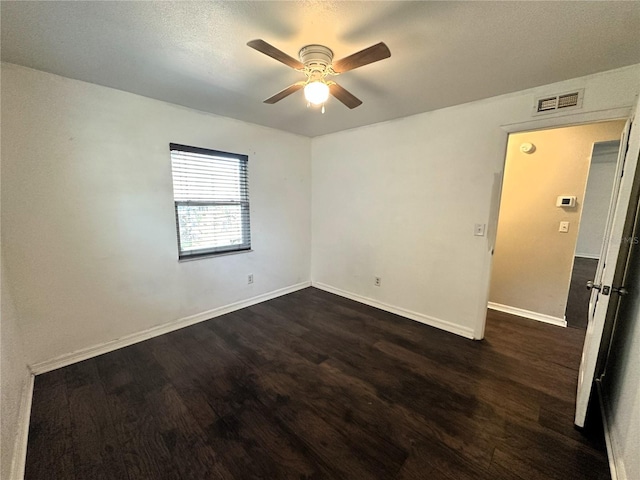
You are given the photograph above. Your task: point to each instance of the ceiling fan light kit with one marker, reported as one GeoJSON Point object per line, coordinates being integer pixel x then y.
{"type": "Point", "coordinates": [316, 62]}
{"type": "Point", "coordinates": [316, 92]}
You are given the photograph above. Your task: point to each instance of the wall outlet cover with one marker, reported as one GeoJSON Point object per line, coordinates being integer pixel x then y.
{"type": "Point", "coordinates": [479, 229]}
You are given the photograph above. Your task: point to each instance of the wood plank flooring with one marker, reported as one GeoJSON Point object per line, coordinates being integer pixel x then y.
{"type": "Point", "coordinates": [314, 386]}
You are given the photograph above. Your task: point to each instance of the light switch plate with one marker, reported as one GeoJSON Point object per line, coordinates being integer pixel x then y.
{"type": "Point", "coordinates": [564, 227]}
{"type": "Point", "coordinates": [478, 229]}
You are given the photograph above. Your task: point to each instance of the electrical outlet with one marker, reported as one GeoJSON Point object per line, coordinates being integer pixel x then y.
{"type": "Point", "coordinates": [250, 278]}
{"type": "Point", "coordinates": [378, 281]}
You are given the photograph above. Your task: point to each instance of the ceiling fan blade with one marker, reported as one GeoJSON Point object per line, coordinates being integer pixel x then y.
{"type": "Point", "coordinates": [273, 52]}
{"type": "Point", "coordinates": [285, 93]}
{"type": "Point", "coordinates": [344, 96]}
{"type": "Point", "coordinates": [376, 52]}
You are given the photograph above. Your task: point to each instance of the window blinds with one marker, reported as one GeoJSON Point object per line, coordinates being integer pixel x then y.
{"type": "Point", "coordinates": [211, 196]}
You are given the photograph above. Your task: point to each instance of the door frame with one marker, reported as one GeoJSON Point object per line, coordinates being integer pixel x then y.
{"type": "Point", "coordinates": [555, 121]}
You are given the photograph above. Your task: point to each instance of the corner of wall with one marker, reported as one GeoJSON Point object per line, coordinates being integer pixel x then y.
{"type": "Point", "coordinates": [17, 389]}
{"type": "Point", "coordinates": [22, 435]}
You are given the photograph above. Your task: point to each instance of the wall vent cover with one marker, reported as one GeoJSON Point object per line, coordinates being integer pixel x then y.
{"type": "Point", "coordinates": [555, 103]}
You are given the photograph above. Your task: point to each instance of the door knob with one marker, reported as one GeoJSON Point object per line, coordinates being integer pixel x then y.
{"type": "Point", "coordinates": [590, 286]}
{"type": "Point", "coordinates": [620, 291]}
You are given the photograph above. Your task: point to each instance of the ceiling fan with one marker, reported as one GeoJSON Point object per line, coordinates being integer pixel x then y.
{"type": "Point", "coordinates": [316, 62]}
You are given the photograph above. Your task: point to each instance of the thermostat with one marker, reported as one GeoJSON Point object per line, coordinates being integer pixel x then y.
{"type": "Point", "coordinates": [566, 201]}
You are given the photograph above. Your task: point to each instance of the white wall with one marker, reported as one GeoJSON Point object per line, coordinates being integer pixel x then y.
{"type": "Point", "coordinates": [88, 225]}
{"type": "Point", "coordinates": [400, 199]}
{"type": "Point", "coordinates": [597, 198]}
{"type": "Point", "coordinates": [14, 381]}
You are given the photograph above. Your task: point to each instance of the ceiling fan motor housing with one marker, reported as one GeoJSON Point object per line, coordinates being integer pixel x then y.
{"type": "Point", "coordinates": [316, 57]}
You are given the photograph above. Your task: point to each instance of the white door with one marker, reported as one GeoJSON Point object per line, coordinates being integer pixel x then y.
{"type": "Point", "coordinates": [604, 298]}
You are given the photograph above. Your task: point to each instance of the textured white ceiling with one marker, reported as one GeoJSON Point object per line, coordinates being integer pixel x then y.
{"type": "Point", "coordinates": [442, 53]}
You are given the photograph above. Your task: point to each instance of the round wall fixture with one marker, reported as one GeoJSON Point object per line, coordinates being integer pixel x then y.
{"type": "Point", "coordinates": [527, 148]}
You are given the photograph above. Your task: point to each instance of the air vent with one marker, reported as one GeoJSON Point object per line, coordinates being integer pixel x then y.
{"type": "Point", "coordinates": [545, 104]}
{"type": "Point", "coordinates": [568, 100]}
{"type": "Point", "coordinates": [563, 101]}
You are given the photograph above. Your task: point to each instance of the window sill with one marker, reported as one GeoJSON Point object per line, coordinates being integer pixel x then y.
{"type": "Point", "coordinates": [212, 255]}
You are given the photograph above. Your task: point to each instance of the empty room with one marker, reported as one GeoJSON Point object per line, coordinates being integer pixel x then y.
{"type": "Point", "coordinates": [320, 240]}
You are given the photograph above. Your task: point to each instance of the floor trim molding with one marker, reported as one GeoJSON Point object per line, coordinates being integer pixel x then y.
{"type": "Point", "coordinates": [24, 416]}
{"type": "Point", "coordinates": [418, 317]}
{"type": "Point", "coordinates": [95, 350]}
{"type": "Point", "coordinates": [521, 312]}
{"type": "Point", "coordinates": [616, 472]}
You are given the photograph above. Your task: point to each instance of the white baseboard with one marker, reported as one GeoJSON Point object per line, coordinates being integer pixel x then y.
{"type": "Point", "coordinates": [616, 467]}
{"type": "Point", "coordinates": [95, 350]}
{"type": "Point", "coordinates": [520, 312]}
{"type": "Point", "coordinates": [24, 416]}
{"type": "Point", "coordinates": [587, 255]}
{"type": "Point", "coordinates": [418, 317]}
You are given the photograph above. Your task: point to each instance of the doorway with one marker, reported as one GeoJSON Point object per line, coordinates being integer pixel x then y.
{"type": "Point", "coordinates": [544, 195]}
{"type": "Point", "coordinates": [593, 220]}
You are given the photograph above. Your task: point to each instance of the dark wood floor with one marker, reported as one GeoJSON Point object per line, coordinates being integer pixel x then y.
{"type": "Point", "coordinates": [311, 386]}
{"type": "Point", "coordinates": [584, 269]}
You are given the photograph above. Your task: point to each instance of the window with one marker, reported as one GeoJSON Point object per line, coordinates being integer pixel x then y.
{"type": "Point", "coordinates": [211, 196]}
